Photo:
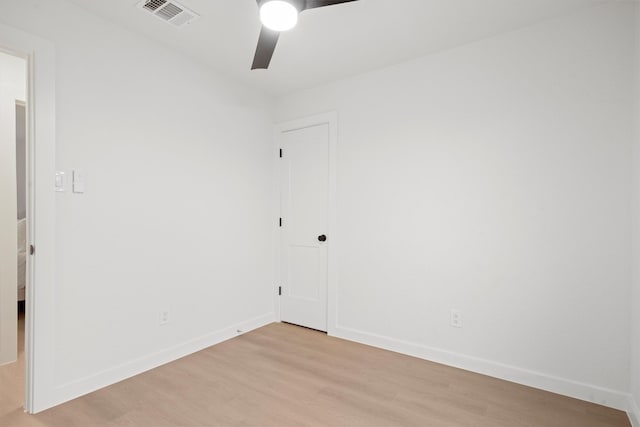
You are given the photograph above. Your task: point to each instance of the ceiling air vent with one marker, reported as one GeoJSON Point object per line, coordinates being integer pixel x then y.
{"type": "Point", "coordinates": [169, 11]}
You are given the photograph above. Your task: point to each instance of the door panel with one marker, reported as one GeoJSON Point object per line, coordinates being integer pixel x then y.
{"type": "Point", "coordinates": [304, 207]}
{"type": "Point", "coordinates": [304, 269]}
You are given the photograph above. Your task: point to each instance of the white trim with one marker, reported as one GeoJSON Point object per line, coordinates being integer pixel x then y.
{"type": "Point", "coordinates": [276, 228]}
{"type": "Point", "coordinates": [330, 119]}
{"type": "Point", "coordinates": [633, 412]}
{"type": "Point", "coordinates": [588, 392]}
{"type": "Point", "coordinates": [41, 213]}
{"type": "Point", "coordinates": [332, 272]}
{"type": "Point", "coordinates": [77, 388]}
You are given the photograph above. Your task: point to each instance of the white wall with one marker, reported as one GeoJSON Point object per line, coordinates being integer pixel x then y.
{"type": "Point", "coordinates": [176, 213]}
{"type": "Point", "coordinates": [21, 158]}
{"type": "Point", "coordinates": [13, 85]}
{"type": "Point", "coordinates": [493, 178]}
{"type": "Point", "coordinates": [635, 300]}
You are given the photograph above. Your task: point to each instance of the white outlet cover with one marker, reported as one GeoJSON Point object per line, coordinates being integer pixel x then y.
{"type": "Point", "coordinates": [456, 318]}
{"type": "Point", "coordinates": [164, 317]}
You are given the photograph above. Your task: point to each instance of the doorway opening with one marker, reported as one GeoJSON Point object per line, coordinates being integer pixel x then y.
{"type": "Point", "coordinates": [14, 224]}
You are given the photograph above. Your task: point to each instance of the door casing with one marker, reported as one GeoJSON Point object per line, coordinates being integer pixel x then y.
{"type": "Point", "coordinates": [330, 119]}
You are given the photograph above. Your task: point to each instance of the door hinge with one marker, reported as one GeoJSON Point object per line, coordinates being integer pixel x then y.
{"type": "Point", "coordinates": [280, 222]}
{"type": "Point", "coordinates": [32, 249]}
{"type": "Point", "coordinates": [281, 153]}
{"type": "Point", "coordinates": [279, 290]}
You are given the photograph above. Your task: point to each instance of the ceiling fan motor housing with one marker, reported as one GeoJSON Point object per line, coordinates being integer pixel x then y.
{"type": "Point", "coordinates": [298, 4]}
{"type": "Point", "coordinates": [270, 33]}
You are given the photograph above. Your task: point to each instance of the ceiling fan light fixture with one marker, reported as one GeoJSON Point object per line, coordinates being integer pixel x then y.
{"type": "Point", "coordinates": [278, 15]}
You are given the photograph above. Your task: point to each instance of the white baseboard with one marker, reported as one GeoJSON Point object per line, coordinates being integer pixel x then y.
{"type": "Point", "coordinates": [633, 412]}
{"type": "Point", "coordinates": [578, 390]}
{"type": "Point", "coordinates": [590, 393]}
{"type": "Point", "coordinates": [77, 388]}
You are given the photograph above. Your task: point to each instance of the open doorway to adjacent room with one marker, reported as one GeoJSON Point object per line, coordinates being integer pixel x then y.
{"type": "Point", "coordinates": [13, 226]}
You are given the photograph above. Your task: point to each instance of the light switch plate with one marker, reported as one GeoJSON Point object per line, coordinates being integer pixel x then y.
{"type": "Point", "coordinates": [59, 183]}
{"type": "Point", "coordinates": [78, 181]}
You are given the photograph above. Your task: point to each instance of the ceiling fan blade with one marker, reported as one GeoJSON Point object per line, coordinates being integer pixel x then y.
{"type": "Point", "coordinates": [264, 51]}
{"type": "Point", "coordinates": [312, 4]}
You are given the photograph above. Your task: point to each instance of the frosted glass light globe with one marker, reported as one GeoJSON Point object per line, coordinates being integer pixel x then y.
{"type": "Point", "coordinates": [278, 15]}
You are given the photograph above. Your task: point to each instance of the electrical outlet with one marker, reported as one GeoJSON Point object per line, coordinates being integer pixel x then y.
{"type": "Point", "coordinates": [164, 317]}
{"type": "Point", "coordinates": [456, 318]}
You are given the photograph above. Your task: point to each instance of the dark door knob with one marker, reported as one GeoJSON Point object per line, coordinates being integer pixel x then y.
{"type": "Point", "coordinates": [322, 238]}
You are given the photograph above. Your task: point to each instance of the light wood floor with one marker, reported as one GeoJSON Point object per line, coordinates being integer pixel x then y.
{"type": "Point", "coordinates": [282, 375]}
{"type": "Point", "coordinates": [12, 378]}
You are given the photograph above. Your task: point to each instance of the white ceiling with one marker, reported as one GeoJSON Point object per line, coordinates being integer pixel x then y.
{"type": "Point", "coordinates": [332, 42]}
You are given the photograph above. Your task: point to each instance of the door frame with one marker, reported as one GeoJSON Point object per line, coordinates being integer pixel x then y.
{"type": "Point", "coordinates": [330, 119]}
{"type": "Point", "coordinates": [40, 310]}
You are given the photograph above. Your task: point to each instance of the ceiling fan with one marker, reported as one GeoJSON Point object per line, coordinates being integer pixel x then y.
{"type": "Point", "coordinates": [278, 16]}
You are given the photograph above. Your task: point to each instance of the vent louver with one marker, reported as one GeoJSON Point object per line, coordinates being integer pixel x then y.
{"type": "Point", "coordinates": [169, 11]}
{"type": "Point", "coordinates": [153, 4]}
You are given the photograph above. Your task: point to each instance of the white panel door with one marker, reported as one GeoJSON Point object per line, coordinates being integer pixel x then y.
{"type": "Point", "coordinates": [304, 206]}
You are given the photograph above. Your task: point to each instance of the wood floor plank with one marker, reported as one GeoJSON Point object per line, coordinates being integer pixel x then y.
{"type": "Point", "coordinates": [282, 375]}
